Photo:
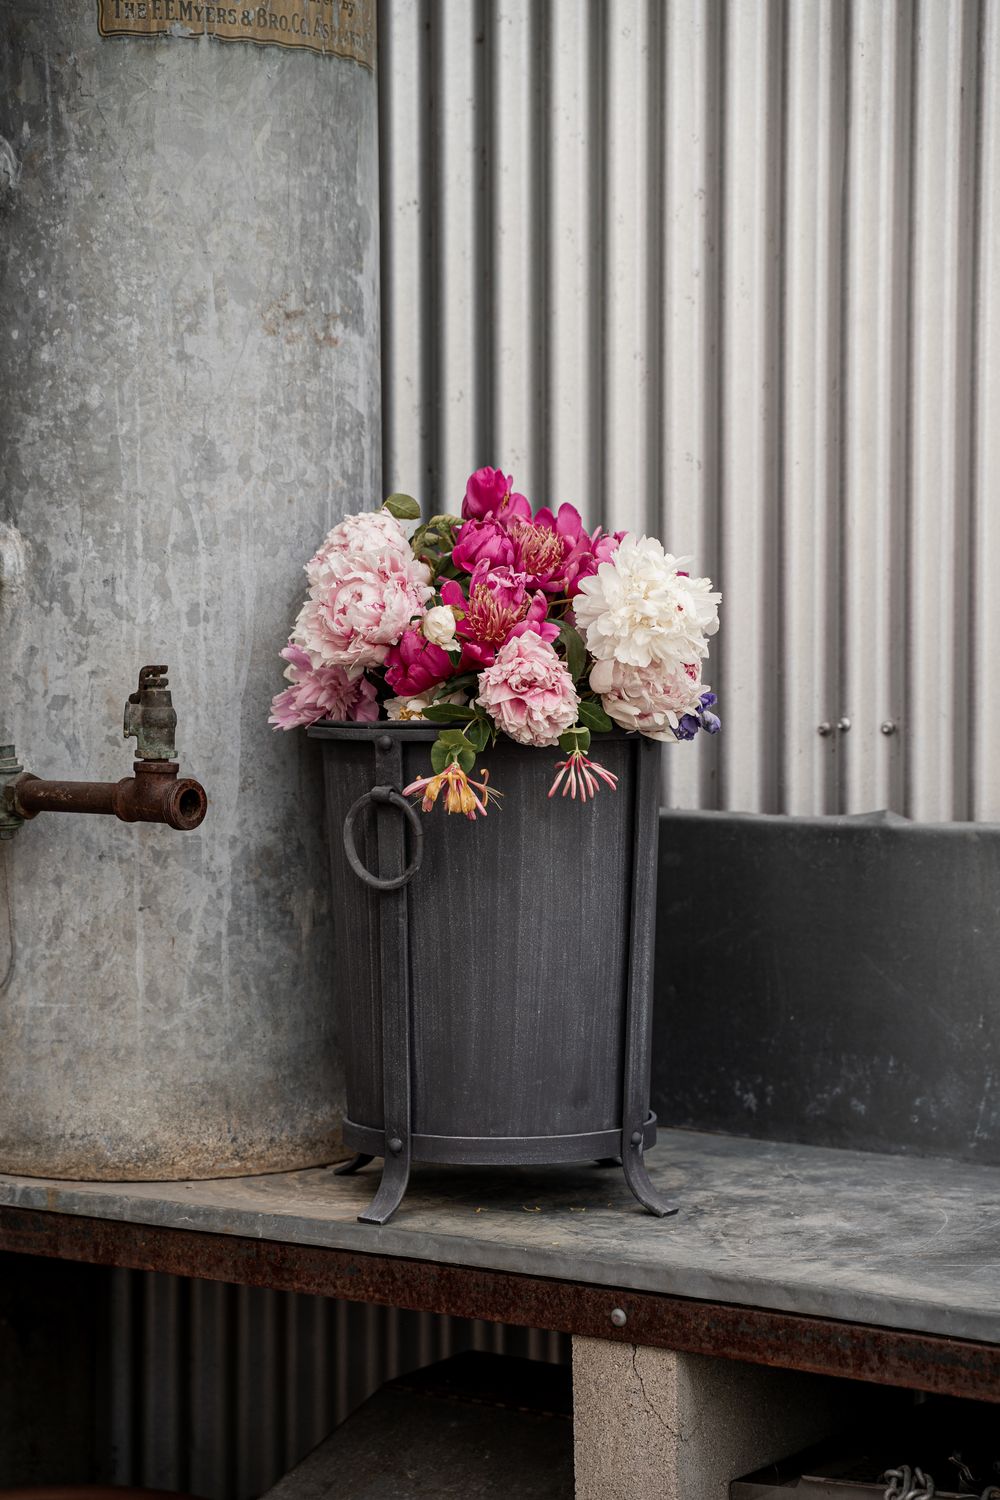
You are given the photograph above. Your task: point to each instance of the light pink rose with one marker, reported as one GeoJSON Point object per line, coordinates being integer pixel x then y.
{"type": "Point", "coordinates": [652, 699]}
{"type": "Point", "coordinates": [528, 692]}
{"type": "Point", "coordinates": [365, 589]}
{"type": "Point", "coordinates": [321, 693]}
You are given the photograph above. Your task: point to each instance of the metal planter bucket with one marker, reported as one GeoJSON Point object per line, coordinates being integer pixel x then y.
{"type": "Point", "coordinates": [493, 978]}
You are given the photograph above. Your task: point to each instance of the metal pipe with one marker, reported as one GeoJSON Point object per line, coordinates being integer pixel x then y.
{"type": "Point", "coordinates": [154, 794]}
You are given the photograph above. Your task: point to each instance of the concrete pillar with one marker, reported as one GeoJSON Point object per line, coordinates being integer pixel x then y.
{"type": "Point", "coordinates": [653, 1424]}
{"type": "Point", "coordinates": [188, 401]}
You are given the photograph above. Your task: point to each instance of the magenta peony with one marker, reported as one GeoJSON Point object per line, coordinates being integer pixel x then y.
{"type": "Point", "coordinates": [528, 692]}
{"type": "Point", "coordinates": [498, 607]}
{"type": "Point", "coordinates": [416, 664]}
{"type": "Point", "coordinates": [483, 542]}
{"type": "Point", "coordinates": [321, 693]}
{"type": "Point", "coordinates": [489, 493]}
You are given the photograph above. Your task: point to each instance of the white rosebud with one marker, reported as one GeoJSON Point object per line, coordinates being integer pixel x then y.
{"type": "Point", "coordinates": [439, 625]}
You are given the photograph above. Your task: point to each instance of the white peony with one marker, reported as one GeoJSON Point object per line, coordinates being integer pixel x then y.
{"type": "Point", "coordinates": [650, 699]}
{"type": "Point", "coordinates": [438, 625]}
{"type": "Point", "coordinates": [640, 609]}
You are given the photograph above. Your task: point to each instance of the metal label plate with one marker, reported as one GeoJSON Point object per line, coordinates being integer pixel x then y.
{"type": "Point", "coordinates": [335, 28]}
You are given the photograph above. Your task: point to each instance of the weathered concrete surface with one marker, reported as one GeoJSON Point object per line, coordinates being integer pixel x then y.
{"type": "Point", "coordinates": [885, 1240]}
{"type": "Point", "coordinates": [652, 1424]}
{"type": "Point", "coordinates": [189, 329]}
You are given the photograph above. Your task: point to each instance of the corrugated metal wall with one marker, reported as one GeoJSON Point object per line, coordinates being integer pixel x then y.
{"type": "Point", "coordinates": [728, 272]}
{"type": "Point", "coordinates": [219, 1390]}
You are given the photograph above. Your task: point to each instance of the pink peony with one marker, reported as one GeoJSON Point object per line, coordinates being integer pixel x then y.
{"type": "Point", "coordinates": [370, 533]}
{"type": "Point", "coordinates": [365, 587]}
{"type": "Point", "coordinates": [528, 692]}
{"type": "Point", "coordinates": [321, 693]}
{"type": "Point", "coordinates": [489, 493]}
{"type": "Point", "coordinates": [498, 607]}
{"type": "Point", "coordinates": [416, 664]}
{"type": "Point", "coordinates": [651, 699]}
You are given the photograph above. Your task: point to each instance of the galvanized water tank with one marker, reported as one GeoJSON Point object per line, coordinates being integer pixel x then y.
{"type": "Point", "coordinates": [188, 401]}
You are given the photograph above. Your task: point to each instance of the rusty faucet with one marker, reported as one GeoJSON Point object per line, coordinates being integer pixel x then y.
{"type": "Point", "coordinates": [154, 793]}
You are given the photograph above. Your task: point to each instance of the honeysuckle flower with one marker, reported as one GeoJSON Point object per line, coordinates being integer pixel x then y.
{"type": "Point", "coordinates": [320, 693]}
{"type": "Point", "coordinates": [415, 664]}
{"type": "Point", "coordinates": [462, 794]}
{"type": "Point", "coordinates": [578, 774]}
{"type": "Point", "coordinates": [365, 587]}
{"type": "Point", "coordinates": [413, 708]}
{"type": "Point", "coordinates": [438, 625]}
{"type": "Point", "coordinates": [528, 692]}
{"type": "Point", "coordinates": [641, 609]}
{"type": "Point", "coordinates": [489, 492]}
{"type": "Point", "coordinates": [653, 700]}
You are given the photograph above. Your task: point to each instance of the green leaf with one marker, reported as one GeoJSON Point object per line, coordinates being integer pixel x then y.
{"type": "Point", "coordinates": [453, 738]}
{"type": "Point", "coordinates": [594, 717]}
{"type": "Point", "coordinates": [448, 713]}
{"type": "Point", "coordinates": [478, 734]}
{"type": "Point", "coordinates": [467, 758]}
{"type": "Point", "coordinates": [576, 651]}
{"type": "Point", "coordinates": [440, 756]}
{"type": "Point", "coordinates": [575, 739]}
{"type": "Point", "coordinates": [403, 507]}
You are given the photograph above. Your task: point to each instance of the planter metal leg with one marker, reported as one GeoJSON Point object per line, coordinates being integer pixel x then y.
{"type": "Point", "coordinates": [395, 1177]}
{"type": "Point", "coordinates": [638, 1180]}
{"type": "Point", "coordinates": [639, 1015]}
{"type": "Point", "coordinates": [348, 1168]}
{"type": "Point", "coordinates": [395, 974]}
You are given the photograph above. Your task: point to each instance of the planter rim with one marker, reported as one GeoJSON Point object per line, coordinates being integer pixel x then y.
{"type": "Point", "coordinates": [411, 729]}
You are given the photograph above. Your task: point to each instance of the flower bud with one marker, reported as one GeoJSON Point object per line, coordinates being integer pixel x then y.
{"type": "Point", "coordinates": [439, 625]}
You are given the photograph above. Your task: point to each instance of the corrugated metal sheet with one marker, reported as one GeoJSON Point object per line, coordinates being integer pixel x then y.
{"type": "Point", "coordinates": [729, 272]}
{"type": "Point", "coordinates": [219, 1390]}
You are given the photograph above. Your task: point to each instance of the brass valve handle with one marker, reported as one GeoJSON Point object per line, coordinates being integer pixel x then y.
{"type": "Point", "coordinates": [150, 716]}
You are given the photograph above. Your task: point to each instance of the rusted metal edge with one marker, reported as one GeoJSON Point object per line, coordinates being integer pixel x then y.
{"type": "Point", "coordinates": [819, 1346]}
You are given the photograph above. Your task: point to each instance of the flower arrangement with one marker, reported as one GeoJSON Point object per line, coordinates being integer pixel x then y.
{"type": "Point", "coordinates": [500, 621]}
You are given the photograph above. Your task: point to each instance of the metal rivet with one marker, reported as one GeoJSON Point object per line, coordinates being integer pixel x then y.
{"type": "Point", "coordinates": [843, 725]}
{"type": "Point", "coordinates": [888, 727]}
{"type": "Point", "coordinates": [618, 1317]}
{"type": "Point", "coordinates": [824, 729]}
{"type": "Point", "coordinates": [384, 742]}
{"type": "Point", "coordinates": [395, 1145]}
{"type": "Point", "coordinates": [636, 1137]}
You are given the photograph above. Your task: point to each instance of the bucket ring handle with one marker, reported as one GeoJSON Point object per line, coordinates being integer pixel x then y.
{"type": "Point", "coordinates": [390, 797]}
